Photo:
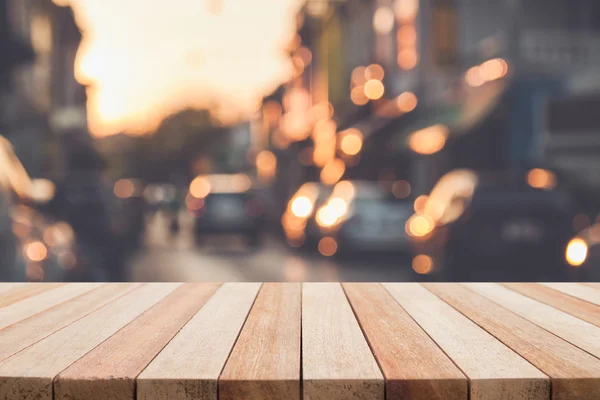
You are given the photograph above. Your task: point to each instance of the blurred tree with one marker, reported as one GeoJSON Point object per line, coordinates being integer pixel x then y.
{"type": "Point", "coordinates": [169, 153]}
{"type": "Point", "coordinates": [13, 52]}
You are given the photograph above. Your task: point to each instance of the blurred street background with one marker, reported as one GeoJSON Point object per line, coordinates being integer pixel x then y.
{"type": "Point", "coordinates": [300, 140]}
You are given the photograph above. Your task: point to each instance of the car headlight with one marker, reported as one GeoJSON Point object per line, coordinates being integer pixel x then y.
{"type": "Point", "coordinates": [576, 252]}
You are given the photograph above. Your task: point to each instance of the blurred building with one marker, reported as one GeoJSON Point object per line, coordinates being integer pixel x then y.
{"type": "Point", "coordinates": [44, 100]}
{"type": "Point", "coordinates": [424, 86]}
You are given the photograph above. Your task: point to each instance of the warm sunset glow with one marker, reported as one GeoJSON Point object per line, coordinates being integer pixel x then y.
{"type": "Point", "coordinates": [142, 63]}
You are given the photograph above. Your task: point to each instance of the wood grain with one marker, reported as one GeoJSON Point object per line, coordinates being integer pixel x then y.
{"type": "Point", "coordinates": [6, 286]}
{"type": "Point", "coordinates": [28, 375]}
{"type": "Point", "coordinates": [33, 329]}
{"type": "Point", "coordinates": [495, 372]}
{"type": "Point", "coordinates": [561, 301]}
{"type": "Point", "coordinates": [109, 371]}
{"type": "Point", "coordinates": [189, 366]}
{"type": "Point", "coordinates": [43, 301]}
{"type": "Point", "coordinates": [575, 374]}
{"type": "Point", "coordinates": [265, 362]}
{"type": "Point", "coordinates": [574, 330]}
{"type": "Point", "coordinates": [583, 292]}
{"type": "Point", "coordinates": [18, 293]}
{"type": "Point", "coordinates": [593, 285]}
{"type": "Point", "coordinates": [337, 363]}
{"type": "Point", "coordinates": [413, 365]}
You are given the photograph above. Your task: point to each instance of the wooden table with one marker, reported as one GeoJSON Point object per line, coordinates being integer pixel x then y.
{"type": "Point", "coordinates": [322, 341]}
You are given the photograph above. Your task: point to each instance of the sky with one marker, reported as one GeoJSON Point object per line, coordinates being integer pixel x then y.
{"type": "Point", "coordinates": [143, 60]}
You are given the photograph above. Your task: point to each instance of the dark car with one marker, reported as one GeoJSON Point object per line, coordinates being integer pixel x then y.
{"type": "Point", "coordinates": [130, 205]}
{"type": "Point", "coordinates": [225, 204]}
{"type": "Point", "coordinates": [298, 221]}
{"type": "Point", "coordinates": [508, 226]}
{"type": "Point", "coordinates": [34, 245]}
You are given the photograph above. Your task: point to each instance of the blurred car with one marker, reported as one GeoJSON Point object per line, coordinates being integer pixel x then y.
{"type": "Point", "coordinates": [88, 204]}
{"type": "Point", "coordinates": [508, 226]}
{"type": "Point", "coordinates": [226, 204]}
{"type": "Point", "coordinates": [159, 196]}
{"type": "Point", "coordinates": [131, 206]}
{"type": "Point", "coordinates": [298, 221]}
{"type": "Point", "coordinates": [34, 247]}
{"type": "Point", "coordinates": [362, 216]}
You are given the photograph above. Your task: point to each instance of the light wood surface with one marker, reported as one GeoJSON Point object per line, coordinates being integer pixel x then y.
{"type": "Point", "coordinates": [33, 329]}
{"type": "Point", "coordinates": [413, 365]}
{"type": "Point", "coordinates": [39, 302]}
{"type": "Point", "coordinates": [29, 373]}
{"type": "Point", "coordinates": [18, 293]}
{"type": "Point", "coordinates": [315, 341]}
{"type": "Point", "coordinates": [572, 329]}
{"type": "Point", "coordinates": [189, 366]}
{"type": "Point", "coordinates": [109, 371]}
{"type": "Point", "coordinates": [561, 301]}
{"type": "Point", "coordinates": [575, 374]}
{"type": "Point", "coordinates": [337, 363]}
{"type": "Point", "coordinates": [593, 285]}
{"type": "Point", "coordinates": [6, 286]}
{"type": "Point", "coordinates": [583, 292]}
{"type": "Point", "coordinates": [265, 362]}
{"type": "Point", "coordinates": [495, 372]}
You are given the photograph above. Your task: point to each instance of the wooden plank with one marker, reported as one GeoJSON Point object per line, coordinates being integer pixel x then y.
{"type": "Point", "coordinates": [6, 286]}
{"type": "Point", "coordinates": [18, 293]}
{"type": "Point", "coordinates": [561, 301]}
{"type": "Point", "coordinates": [575, 374]}
{"type": "Point", "coordinates": [495, 372]}
{"type": "Point", "coordinates": [593, 285]}
{"type": "Point", "coordinates": [109, 371]}
{"type": "Point", "coordinates": [413, 365]}
{"type": "Point", "coordinates": [583, 292]}
{"type": "Point", "coordinates": [33, 329]}
{"type": "Point", "coordinates": [189, 366]}
{"type": "Point", "coordinates": [43, 301]}
{"type": "Point", "coordinates": [28, 375]}
{"type": "Point", "coordinates": [337, 363]}
{"type": "Point", "coordinates": [574, 330]}
{"type": "Point", "coordinates": [265, 361]}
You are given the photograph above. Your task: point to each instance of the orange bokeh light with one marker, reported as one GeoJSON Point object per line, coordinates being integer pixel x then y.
{"type": "Point", "coordinates": [408, 59]}
{"type": "Point", "coordinates": [374, 89]}
{"type": "Point", "coordinates": [351, 142]}
{"type": "Point", "coordinates": [357, 95]}
{"type": "Point", "coordinates": [406, 102]}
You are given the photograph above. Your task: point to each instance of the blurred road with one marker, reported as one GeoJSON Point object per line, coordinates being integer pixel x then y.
{"type": "Point", "coordinates": [178, 258]}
